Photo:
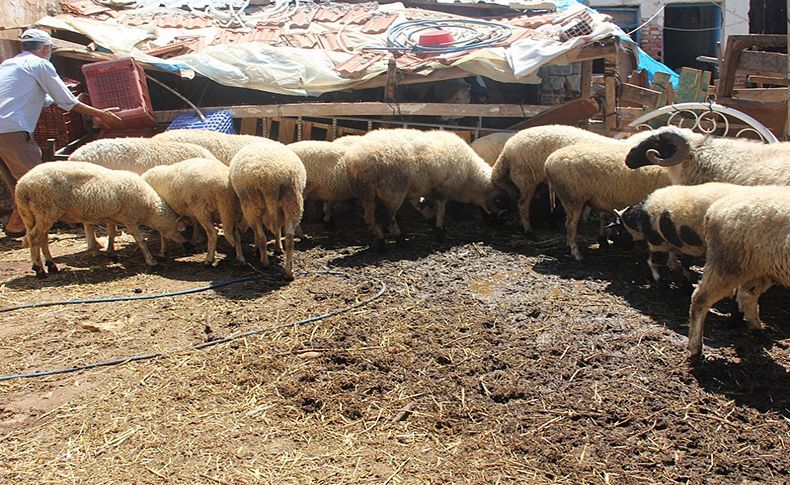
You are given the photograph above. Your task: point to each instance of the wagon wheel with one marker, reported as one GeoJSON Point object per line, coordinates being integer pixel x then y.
{"type": "Point", "coordinates": [708, 118]}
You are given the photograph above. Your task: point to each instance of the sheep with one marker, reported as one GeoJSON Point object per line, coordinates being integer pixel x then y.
{"type": "Point", "coordinates": [81, 192]}
{"type": "Point", "coordinates": [747, 248]}
{"type": "Point", "coordinates": [269, 180]}
{"type": "Point", "coordinates": [136, 155]}
{"type": "Point", "coordinates": [399, 164]}
{"type": "Point", "coordinates": [671, 220]}
{"type": "Point", "coordinates": [490, 146]}
{"type": "Point", "coordinates": [199, 188]}
{"type": "Point", "coordinates": [327, 179]}
{"type": "Point", "coordinates": [222, 145]}
{"type": "Point", "coordinates": [691, 158]}
{"type": "Point", "coordinates": [593, 173]}
{"type": "Point", "coordinates": [519, 170]}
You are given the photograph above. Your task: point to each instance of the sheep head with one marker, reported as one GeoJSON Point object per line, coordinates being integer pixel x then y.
{"type": "Point", "coordinates": [497, 202]}
{"type": "Point", "coordinates": [625, 229]}
{"type": "Point", "coordinates": [666, 147]}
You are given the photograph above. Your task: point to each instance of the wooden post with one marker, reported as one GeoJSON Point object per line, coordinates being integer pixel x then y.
{"type": "Point", "coordinates": [610, 96]}
{"type": "Point", "coordinates": [787, 74]}
{"type": "Point", "coordinates": [586, 81]}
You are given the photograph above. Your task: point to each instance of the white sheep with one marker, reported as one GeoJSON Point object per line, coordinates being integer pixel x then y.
{"type": "Point", "coordinates": [747, 248]}
{"type": "Point", "coordinates": [489, 147]}
{"type": "Point", "coordinates": [594, 174]}
{"type": "Point", "coordinates": [519, 170]}
{"type": "Point", "coordinates": [269, 180]}
{"type": "Point", "coordinates": [394, 165]}
{"type": "Point", "coordinates": [199, 188]}
{"type": "Point", "coordinates": [222, 145]}
{"type": "Point", "coordinates": [327, 179]}
{"type": "Point", "coordinates": [79, 192]}
{"type": "Point", "coordinates": [691, 158]}
{"type": "Point", "coordinates": [671, 220]}
{"type": "Point", "coordinates": [136, 155]}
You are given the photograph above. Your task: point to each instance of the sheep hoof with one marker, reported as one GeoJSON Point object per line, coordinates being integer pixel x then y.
{"type": "Point", "coordinates": [151, 263]}
{"type": "Point", "coordinates": [603, 242]}
{"type": "Point", "coordinates": [380, 246]}
{"type": "Point", "coordinates": [51, 267]}
{"type": "Point", "coordinates": [40, 273]}
{"type": "Point", "coordinates": [113, 257]}
{"type": "Point", "coordinates": [288, 276]}
{"type": "Point", "coordinates": [209, 264]}
{"type": "Point", "coordinates": [695, 359]}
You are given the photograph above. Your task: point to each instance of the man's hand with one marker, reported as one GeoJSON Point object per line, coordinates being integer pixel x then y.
{"type": "Point", "coordinates": [109, 117]}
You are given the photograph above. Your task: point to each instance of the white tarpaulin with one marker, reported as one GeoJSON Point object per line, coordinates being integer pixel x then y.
{"type": "Point", "coordinates": [297, 71]}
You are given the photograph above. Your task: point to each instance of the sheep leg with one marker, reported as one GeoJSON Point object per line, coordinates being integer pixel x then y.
{"type": "Point", "coordinates": [162, 246]}
{"type": "Point", "coordinates": [604, 220]}
{"type": "Point", "coordinates": [230, 227]}
{"type": "Point", "coordinates": [524, 204]}
{"type": "Point", "coordinates": [441, 211]}
{"type": "Point", "coordinates": [572, 215]}
{"type": "Point", "coordinates": [196, 235]}
{"type": "Point", "coordinates": [90, 236]}
{"type": "Point", "coordinates": [369, 208]}
{"type": "Point", "coordinates": [34, 238]}
{"type": "Point", "coordinates": [392, 202]}
{"type": "Point", "coordinates": [138, 238]}
{"type": "Point", "coordinates": [748, 298]}
{"type": "Point", "coordinates": [261, 242]}
{"type": "Point", "coordinates": [290, 228]}
{"type": "Point", "coordinates": [711, 289]}
{"type": "Point", "coordinates": [204, 219]}
{"type": "Point", "coordinates": [51, 266]}
{"type": "Point", "coordinates": [655, 264]}
{"type": "Point", "coordinates": [328, 207]}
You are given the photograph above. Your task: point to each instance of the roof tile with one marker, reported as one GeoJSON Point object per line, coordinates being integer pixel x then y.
{"type": "Point", "coordinates": [83, 7]}
{"type": "Point", "coordinates": [302, 40]}
{"type": "Point", "coordinates": [329, 14]}
{"type": "Point", "coordinates": [268, 35]}
{"type": "Point", "coordinates": [302, 18]}
{"type": "Point", "coordinates": [356, 65]}
{"type": "Point", "coordinates": [378, 24]}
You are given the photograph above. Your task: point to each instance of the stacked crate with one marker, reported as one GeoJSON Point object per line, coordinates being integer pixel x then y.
{"type": "Point", "coordinates": [62, 126]}
{"type": "Point", "coordinates": [121, 84]}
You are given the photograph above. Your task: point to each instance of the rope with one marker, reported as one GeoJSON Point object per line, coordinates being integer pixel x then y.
{"type": "Point", "coordinates": [400, 37]}
{"type": "Point", "coordinates": [201, 346]}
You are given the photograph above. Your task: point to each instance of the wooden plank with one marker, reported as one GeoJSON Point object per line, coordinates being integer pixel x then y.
{"type": "Point", "coordinates": [662, 84]}
{"type": "Point", "coordinates": [772, 115]}
{"type": "Point", "coordinates": [610, 110]}
{"type": "Point", "coordinates": [286, 133]}
{"type": "Point", "coordinates": [778, 81]}
{"type": "Point", "coordinates": [329, 110]}
{"type": "Point", "coordinates": [642, 96]}
{"type": "Point", "coordinates": [569, 113]}
{"type": "Point", "coordinates": [736, 44]}
{"type": "Point", "coordinates": [439, 75]}
{"type": "Point", "coordinates": [586, 81]}
{"type": "Point", "coordinates": [249, 126]}
{"type": "Point", "coordinates": [763, 62]}
{"type": "Point", "coordinates": [775, 95]}
{"type": "Point", "coordinates": [687, 85]}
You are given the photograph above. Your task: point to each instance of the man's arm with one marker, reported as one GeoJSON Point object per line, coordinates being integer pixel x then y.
{"type": "Point", "coordinates": [106, 115]}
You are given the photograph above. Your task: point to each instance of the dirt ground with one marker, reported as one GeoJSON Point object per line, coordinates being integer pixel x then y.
{"type": "Point", "coordinates": [490, 358]}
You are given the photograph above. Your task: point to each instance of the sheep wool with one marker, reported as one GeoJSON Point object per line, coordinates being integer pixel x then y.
{"type": "Point", "coordinates": [327, 179]}
{"type": "Point", "coordinates": [136, 154]}
{"type": "Point", "coordinates": [269, 180]}
{"type": "Point", "coordinates": [747, 248]}
{"type": "Point", "coordinates": [490, 146]}
{"type": "Point", "coordinates": [80, 192]}
{"type": "Point", "coordinates": [199, 188]}
{"type": "Point", "coordinates": [594, 174]}
{"type": "Point", "coordinates": [221, 145]}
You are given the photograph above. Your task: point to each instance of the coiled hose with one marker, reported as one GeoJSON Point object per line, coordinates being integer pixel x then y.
{"type": "Point", "coordinates": [470, 34]}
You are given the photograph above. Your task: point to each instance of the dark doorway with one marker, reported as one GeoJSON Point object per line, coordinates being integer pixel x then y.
{"type": "Point", "coordinates": [690, 30]}
{"type": "Point", "coordinates": [768, 17]}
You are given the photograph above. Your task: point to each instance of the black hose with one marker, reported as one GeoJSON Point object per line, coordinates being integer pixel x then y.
{"type": "Point", "coordinates": [200, 346]}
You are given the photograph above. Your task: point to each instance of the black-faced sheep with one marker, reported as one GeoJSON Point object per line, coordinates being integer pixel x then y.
{"type": "Point", "coordinates": [199, 188]}
{"type": "Point", "coordinates": [594, 174]}
{"type": "Point", "coordinates": [269, 179]}
{"type": "Point", "coordinates": [691, 158]}
{"type": "Point", "coordinates": [671, 220]}
{"type": "Point", "coordinates": [748, 247]}
{"type": "Point", "coordinates": [79, 192]}
{"type": "Point", "coordinates": [391, 166]}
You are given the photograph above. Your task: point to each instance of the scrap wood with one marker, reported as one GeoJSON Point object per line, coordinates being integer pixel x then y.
{"type": "Point", "coordinates": [569, 113]}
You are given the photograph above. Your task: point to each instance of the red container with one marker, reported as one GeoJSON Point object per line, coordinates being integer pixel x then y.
{"type": "Point", "coordinates": [62, 126]}
{"type": "Point", "coordinates": [120, 84]}
{"type": "Point", "coordinates": [144, 132]}
{"type": "Point", "coordinates": [434, 37]}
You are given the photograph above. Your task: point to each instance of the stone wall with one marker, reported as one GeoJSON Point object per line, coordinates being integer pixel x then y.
{"type": "Point", "coordinates": [560, 83]}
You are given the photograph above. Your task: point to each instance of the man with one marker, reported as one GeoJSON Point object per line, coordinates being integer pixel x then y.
{"type": "Point", "coordinates": [28, 83]}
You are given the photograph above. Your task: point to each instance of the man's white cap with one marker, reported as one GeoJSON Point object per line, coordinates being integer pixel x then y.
{"type": "Point", "coordinates": [36, 35]}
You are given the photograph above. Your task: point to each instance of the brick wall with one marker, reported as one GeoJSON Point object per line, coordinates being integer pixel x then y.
{"type": "Point", "coordinates": [652, 39]}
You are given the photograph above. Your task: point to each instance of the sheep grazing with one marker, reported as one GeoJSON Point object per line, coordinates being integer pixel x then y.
{"type": "Point", "coordinates": [593, 173]}
{"type": "Point", "coordinates": [391, 166]}
{"type": "Point", "coordinates": [79, 192]}
{"type": "Point", "coordinates": [327, 179]}
{"type": "Point", "coordinates": [222, 145]}
{"type": "Point", "coordinates": [199, 188]}
{"type": "Point", "coordinates": [270, 179]}
{"type": "Point", "coordinates": [691, 158]}
{"type": "Point", "coordinates": [136, 155]}
{"type": "Point", "coordinates": [490, 146]}
{"type": "Point", "coordinates": [671, 220]}
{"type": "Point", "coordinates": [519, 170]}
{"type": "Point", "coordinates": [746, 235]}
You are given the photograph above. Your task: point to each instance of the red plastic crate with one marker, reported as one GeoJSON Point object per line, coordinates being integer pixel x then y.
{"type": "Point", "coordinates": [144, 132]}
{"type": "Point", "coordinates": [120, 83]}
{"type": "Point", "coordinates": [62, 126]}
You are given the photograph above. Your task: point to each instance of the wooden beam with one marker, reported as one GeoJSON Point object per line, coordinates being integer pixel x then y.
{"type": "Point", "coordinates": [249, 126]}
{"type": "Point", "coordinates": [763, 62]}
{"type": "Point", "coordinates": [610, 109]}
{"type": "Point", "coordinates": [586, 80]}
{"type": "Point", "coordinates": [771, 95]}
{"type": "Point", "coordinates": [439, 75]}
{"type": "Point", "coordinates": [778, 81]}
{"type": "Point", "coordinates": [569, 113]}
{"type": "Point", "coordinates": [736, 44]}
{"type": "Point", "coordinates": [329, 110]}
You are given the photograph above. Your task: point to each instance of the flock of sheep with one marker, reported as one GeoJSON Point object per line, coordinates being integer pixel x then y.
{"type": "Point", "coordinates": [686, 194]}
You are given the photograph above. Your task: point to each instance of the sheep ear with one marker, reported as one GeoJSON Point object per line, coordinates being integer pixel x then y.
{"type": "Point", "coordinates": [618, 214]}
